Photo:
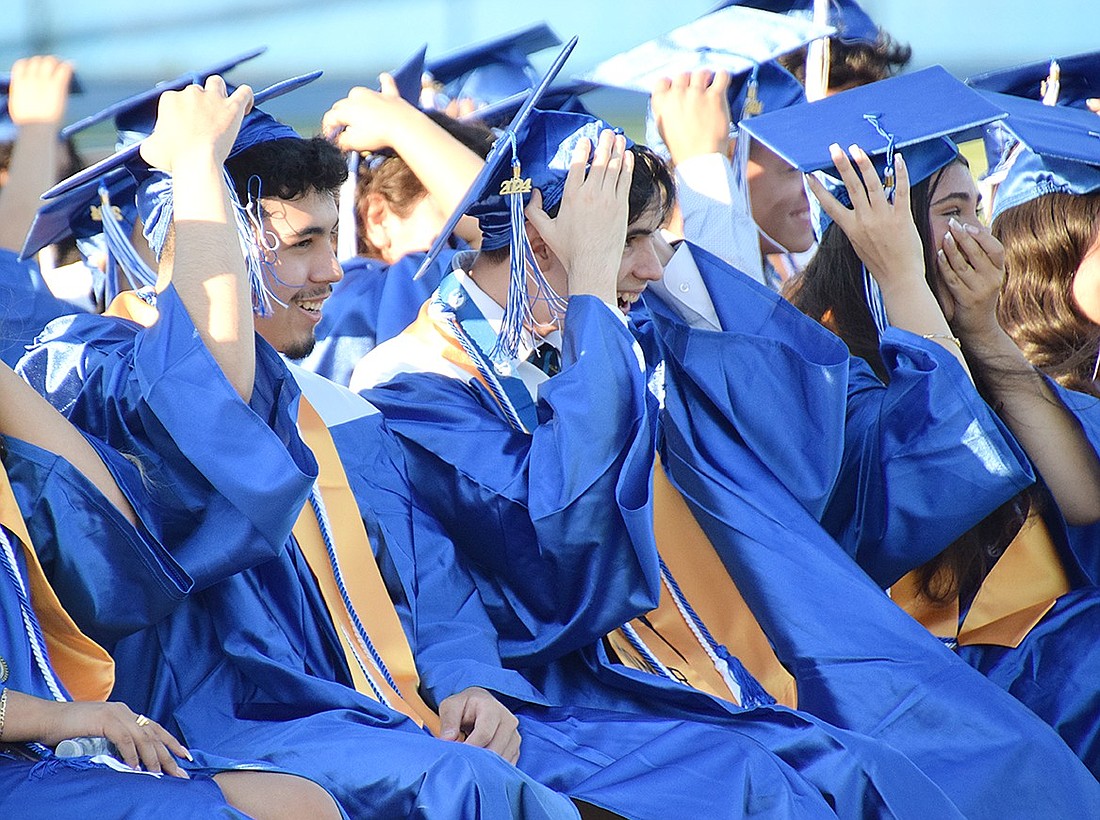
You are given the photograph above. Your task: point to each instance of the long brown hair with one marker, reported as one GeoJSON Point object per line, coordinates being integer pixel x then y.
{"type": "Point", "coordinates": [830, 289]}
{"type": "Point", "coordinates": [1045, 241]}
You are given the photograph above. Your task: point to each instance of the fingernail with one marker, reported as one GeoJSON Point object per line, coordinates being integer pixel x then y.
{"type": "Point", "coordinates": [835, 148]}
{"type": "Point", "coordinates": [187, 754]}
{"type": "Point", "coordinates": [854, 149]}
{"type": "Point", "coordinates": [952, 222]}
{"type": "Point", "coordinates": [947, 237]}
{"type": "Point", "coordinates": [971, 229]}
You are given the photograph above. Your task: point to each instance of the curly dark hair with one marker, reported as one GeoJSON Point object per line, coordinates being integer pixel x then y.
{"type": "Point", "coordinates": [289, 168]}
{"type": "Point", "coordinates": [1045, 241]}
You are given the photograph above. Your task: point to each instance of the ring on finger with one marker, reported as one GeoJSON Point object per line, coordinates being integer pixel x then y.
{"type": "Point", "coordinates": [142, 720]}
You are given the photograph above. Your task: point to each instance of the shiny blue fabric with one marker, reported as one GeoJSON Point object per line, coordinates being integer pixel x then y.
{"type": "Point", "coordinates": [860, 458]}
{"type": "Point", "coordinates": [555, 528]}
{"type": "Point", "coordinates": [248, 665]}
{"type": "Point", "coordinates": [61, 504]}
{"type": "Point", "coordinates": [1054, 671]}
{"type": "Point", "coordinates": [581, 487]}
{"type": "Point", "coordinates": [372, 303]}
{"type": "Point", "coordinates": [861, 663]}
{"type": "Point", "coordinates": [26, 305]}
{"type": "Point", "coordinates": [1055, 668]}
{"type": "Point", "coordinates": [1084, 541]}
{"type": "Point", "coordinates": [621, 762]}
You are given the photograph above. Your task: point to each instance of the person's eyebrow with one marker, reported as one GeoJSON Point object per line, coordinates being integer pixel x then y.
{"type": "Point", "coordinates": [961, 197]}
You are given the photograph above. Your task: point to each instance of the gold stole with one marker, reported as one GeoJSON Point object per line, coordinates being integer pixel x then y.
{"type": "Point", "coordinates": [83, 666]}
{"type": "Point", "coordinates": [706, 583]}
{"type": "Point", "coordinates": [362, 579]}
{"type": "Point", "coordinates": [360, 572]}
{"type": "Point", "coordinates": [1020, 589]}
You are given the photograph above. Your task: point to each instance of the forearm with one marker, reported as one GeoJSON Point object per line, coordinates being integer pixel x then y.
{"type": "Point", "coordinates": [208, 269]}
{"type": "Point", "coordinates": [31, 172]}
{"type": "Point", "coordinates": [26, 415]}
{"type": "Point", "coordinates": [1049, 433]}
{"type": "Point", "coordinates": [444, 166]}
{"type": "Point", "coordinates": [26, 718]}
{"type": "Point", "coordinates": [911, 306]}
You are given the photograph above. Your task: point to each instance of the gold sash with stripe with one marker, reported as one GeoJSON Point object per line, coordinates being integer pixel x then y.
{"type": "Point", "coordinates": [83, 666]}
{"type": "Point", "coordinates": [361, 576]}
{"type": "Point", "coordinates": [1020, 589]}
{"type": "Point", "coordinates": [360, 572]}
{"type": "Point", "coordinates": [706, 583]}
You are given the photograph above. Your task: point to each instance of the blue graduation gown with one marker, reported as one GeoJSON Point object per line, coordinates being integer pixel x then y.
{"type": "Point", "coordinates": [372, 303]}
{"type": "Point", "coordinates": [26, 305]}
{"type": "Point", "coordinates": [424, 409]}
{"type": "Point", "coordinates": [634, 765]}
{"type": "Point", "coordinates": [1055, 667]}
{"type": "Point", "coordinates": [539, 520]}
{"type": "Point", "coordinates": [67, 509]}
{"type": "Point", "coordinates": [248, 664]}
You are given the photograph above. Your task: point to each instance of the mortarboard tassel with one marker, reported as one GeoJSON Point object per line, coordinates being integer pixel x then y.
{"type": "Point", "coordinates": [121, 253]}
{"type": "Point", "coordinates": [517, 313]}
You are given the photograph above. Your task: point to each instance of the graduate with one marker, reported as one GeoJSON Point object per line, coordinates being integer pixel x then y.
{"type": "Point", "coordinates": [431, 657]}
{"type": "Point", "coordinates": [417, 166]}
{"type": "Point", "coordinates": [1002, 588]}
{"type": "Point", "coordinates": [54, 680]}
{"type": "Point", "coordinates": [262, 660]}
{"type": "Point", "coordinates": [736, 198]}
{"type": "Point", "coordinates": [544, 485]}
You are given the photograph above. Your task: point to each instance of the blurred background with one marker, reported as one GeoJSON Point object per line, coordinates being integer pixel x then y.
{"type": "Point", "coordinates": [122, 46]}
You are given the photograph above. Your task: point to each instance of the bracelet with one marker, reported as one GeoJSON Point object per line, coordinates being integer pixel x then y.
{"type": "Point", "coordinates": [3, 710]}
{"type": "Point", "coordinates": [953, 339]}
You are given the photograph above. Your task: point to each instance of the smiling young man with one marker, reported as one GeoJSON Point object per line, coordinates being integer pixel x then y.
{"type": "Point", "coordinates": [292, 641]}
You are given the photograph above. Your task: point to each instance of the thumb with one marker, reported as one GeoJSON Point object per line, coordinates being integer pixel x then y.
{"type": "Point", "coordinates": [387, 85]}
{"type": "Point", "coordinates": [450, 719]}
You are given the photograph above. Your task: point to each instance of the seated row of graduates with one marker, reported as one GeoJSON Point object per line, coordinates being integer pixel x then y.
{"type": "Point", "coordinates": [661, 566]}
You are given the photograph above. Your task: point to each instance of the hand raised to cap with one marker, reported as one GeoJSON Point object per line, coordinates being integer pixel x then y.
{"type": "Point", "coordinates": [882, 232]}
{"type": "Point", "coordinates": [196, 122]}
{"type": "Point", "coordinates": [39, 90]}
{"type": "Point", "coordinates": [367, 120]}
{"type": "Point", "coordinates": [692, 113]}
{"type": "Point", "coordinates": [589, 233]}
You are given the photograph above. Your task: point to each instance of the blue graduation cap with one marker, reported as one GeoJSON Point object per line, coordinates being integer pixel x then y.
{"type": "Point", "coordinates": [564, 96]}
{"type": "Point", "coordinates": [882, 118]}
{"type": "Point", "coordinates": [407, 76]}
{"type": "Point", "coordinates": [532, 152]}
{"type": "Point", "coordinates": [733, 39]}
{"type": "Point", "coordinates": [154, 192]}
{"type": "Point", "coordinates": [851, 22]}
{"type": "Point", "coordinates": [78, 212]}
{"type": "Point", "coordinates": [257, 127]}
{"type": "Point", "coordinates": [139, 112]}
{"type": "Point", "coordinates": [1060, 151]}
{"type": "Point", "coordinates": [490, 71]}
{"type": "Point", "coordinates": [1060, 81]}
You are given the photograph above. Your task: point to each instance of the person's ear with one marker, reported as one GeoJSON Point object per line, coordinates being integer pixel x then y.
{"type": "Point", "coordinates": [374, 212]}
{"type": "Point", "coordinates": [542, 252]}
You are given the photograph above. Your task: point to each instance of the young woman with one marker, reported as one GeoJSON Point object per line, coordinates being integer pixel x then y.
{"type": "Point", "coordinates": [1008, 593]}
